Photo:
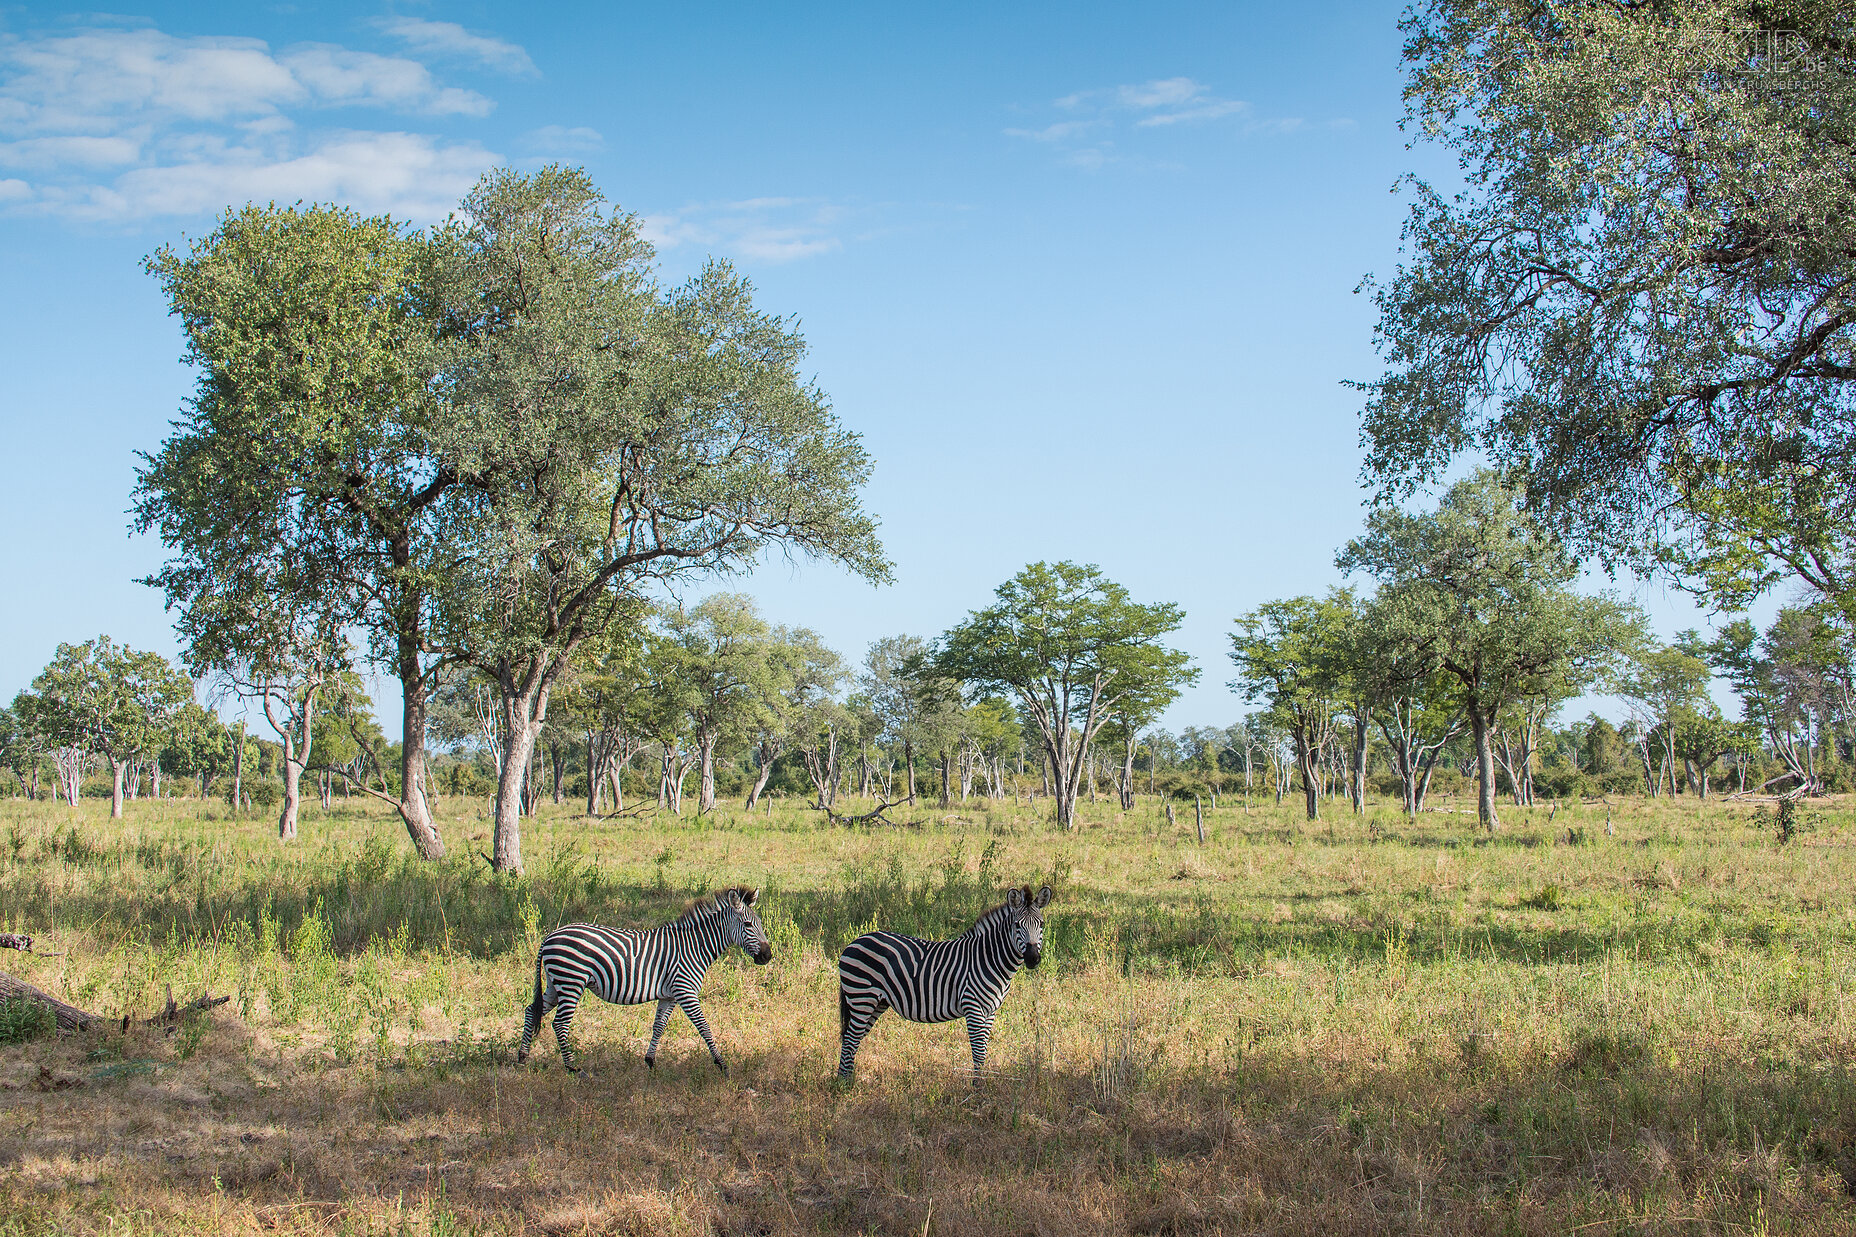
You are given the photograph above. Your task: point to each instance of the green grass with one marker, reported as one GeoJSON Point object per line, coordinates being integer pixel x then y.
{"type": "Point", "coordinates": [1358, 1024]}
{"type": "Point", "coordinates": [23, 1021]}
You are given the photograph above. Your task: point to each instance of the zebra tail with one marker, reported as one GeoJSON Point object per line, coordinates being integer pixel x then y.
{"type": "Point", "coordinates": [844, 1012]}
{"type": "Point", "coordinates": [535, 1007]}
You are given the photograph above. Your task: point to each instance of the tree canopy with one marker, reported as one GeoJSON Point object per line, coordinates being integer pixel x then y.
{"type": "Point", "coordinates": [1067, 643]}
{"type": "Point", "coordinates": [1639, 304]}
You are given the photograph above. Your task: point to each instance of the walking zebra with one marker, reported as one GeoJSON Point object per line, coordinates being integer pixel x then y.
{"type": "Point", "coordinates": [629, 967]}
{"type": "Point", "coordinates": [938, 981]}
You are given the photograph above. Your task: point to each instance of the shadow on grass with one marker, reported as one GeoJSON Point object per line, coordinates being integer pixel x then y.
{"type": "Point", "coordinates": [1481, 1141]}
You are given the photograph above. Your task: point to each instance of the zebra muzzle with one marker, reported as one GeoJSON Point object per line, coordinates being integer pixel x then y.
{"type": "Point", "coordinates": [764, 956]}
{"type": "Point", "coordinates": [1033, 955]}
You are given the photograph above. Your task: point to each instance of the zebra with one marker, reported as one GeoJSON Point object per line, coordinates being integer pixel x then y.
{"type": "Point", "coordinates": [938, 981]}
{"type": "Point", "coordinates": [629, 966]}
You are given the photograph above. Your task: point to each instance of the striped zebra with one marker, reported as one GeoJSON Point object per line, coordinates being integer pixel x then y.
{"type": "Point", "coordinates": [938, 981]}
{"type": "Point", "coordinates": [627, 966]}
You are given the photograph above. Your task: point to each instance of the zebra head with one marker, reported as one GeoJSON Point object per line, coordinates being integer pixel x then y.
{"type": "Point", "coordinates": [742, 924]}
{"type": "Point", "coordinates": [1027, 923]}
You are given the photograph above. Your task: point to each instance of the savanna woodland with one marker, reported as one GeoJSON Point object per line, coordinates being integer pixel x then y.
{"type": "Point", "coordinates": [1408, 947]}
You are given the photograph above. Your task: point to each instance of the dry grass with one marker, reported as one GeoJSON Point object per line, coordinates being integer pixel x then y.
{"type": "Point", "coordinates": [1356, 1027]}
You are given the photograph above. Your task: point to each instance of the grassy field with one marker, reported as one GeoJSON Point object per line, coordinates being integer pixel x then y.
{"type": "Point", "coordinates": [1350, 1026]}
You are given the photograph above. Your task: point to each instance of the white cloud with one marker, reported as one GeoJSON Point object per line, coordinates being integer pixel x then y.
{"type": "Point", "coordinates": [408, 174]}
{"type": "Point", "coordinates": [445, 38]}
{"type": "Point", "coordinates": [52, 152]}
{"type": "Point", "coordinates": [335, 75]}
{"type": "Point", "coordinates": [118, 123]}
{"type": "Point", "coordinates": [563, 140]}
{"type": "Point", "coordinates": [1216, 109]}
{"type": "Point", "coordinates": [1085, 137]}
{"type": "Point", "coordinates": [95, 80]}
{"type": "Point", "coordinates": [1055, 132]}
{"type": "Point", "coordinates": [758, 229]}
{"type": "Point", "coordinates": [1168, 92]}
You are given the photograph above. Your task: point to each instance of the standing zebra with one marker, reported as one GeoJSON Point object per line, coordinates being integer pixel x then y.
{"type": "Point", "coordinates": [628, 966]}
{"type": "Point", "coordinates": [938, 981]}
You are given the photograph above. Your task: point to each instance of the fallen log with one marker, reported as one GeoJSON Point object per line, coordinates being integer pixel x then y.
{"type": "Point", "coordinates": [868, 818]}
{"type": "Point", "coordinates": [71, 1018]}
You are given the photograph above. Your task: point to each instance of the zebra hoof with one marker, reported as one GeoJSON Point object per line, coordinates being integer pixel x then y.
{"type": "Point", "coordinates": [521, 1057]}
{"type": "Point", "coordinates": [722, 1065]}
{"type": "Point", "coordinates": [650, 1063]}
{"type": "Point", "coordinates": [573, 1069]}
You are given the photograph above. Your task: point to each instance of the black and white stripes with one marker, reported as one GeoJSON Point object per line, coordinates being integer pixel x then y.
{"type": "Point", "coordinates": [938, 981]}
{"type": "Point", "coordinates": [629, 967]}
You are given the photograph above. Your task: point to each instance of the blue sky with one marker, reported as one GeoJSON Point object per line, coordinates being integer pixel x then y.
{"type": "Point", "coordinates": [1082, 275]}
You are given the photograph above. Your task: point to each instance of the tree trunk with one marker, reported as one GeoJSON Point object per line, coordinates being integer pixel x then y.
{"type": "Point", "coordinates": [295, 758]}
{"type": "Point", "coordinates": [525, 709]}
{"type": "Point", "coordinates": [506, 838]}
{"type": "Point", "coordinates": [765, 754]}
{"type": "Point", "coordinates": [908, 760]}
{"type": "Point", "coordinates": [1305, 758]}
{"type": "Point", "coordinates": [1480, 724]}
{"type": "Point", "coordinates": [1361, 721]}
{"type": "Point", "coordinates": [592, 775]}
{"type": "Point", "coordinates": [238, 769]}
{"type": "Point", "coordinates": [705, 756]}
{"type": "Point", "coordinates": [946, 769]}
{"type": "Point", "coordinates": [1127, 772]}
{"type": "Point", "coordinates": [413, 809]}
{"type": "Point", "coordinates": [116, 771]}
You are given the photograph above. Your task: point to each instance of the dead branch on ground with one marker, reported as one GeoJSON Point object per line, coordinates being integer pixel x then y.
{"type": "Point", "coordinates": [875, 816]}
{"type": "Point", "coordinates": [71, 1018]}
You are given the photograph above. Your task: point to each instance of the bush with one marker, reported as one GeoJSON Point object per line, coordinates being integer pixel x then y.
{"type": "Point", "coordinates": [22, 1021]}
{"type": "Point", "coordinates": [260, 792]}
{"type": "Point", "coordinates": [1562, 783]}
{"type": "Point", "coordinates": [1621, 782]}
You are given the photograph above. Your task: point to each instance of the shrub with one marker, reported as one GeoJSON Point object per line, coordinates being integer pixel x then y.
{"type": "Point", "coordinates": [22, 1021]}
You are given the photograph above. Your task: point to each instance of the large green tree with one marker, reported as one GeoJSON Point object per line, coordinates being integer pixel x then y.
{"type": "Point", "coordinates": [1640, 303]}
{"type": "Point", "coordinates": [482, 443]}
{"type": "Point", "coordinates": [1066, 643]}
{"type": "Point", "coordinates": [613, 437]}
{"type": "Point", "coordinates": [309, 468]}
{"type": "Point", "coordinates": [1483, 592]}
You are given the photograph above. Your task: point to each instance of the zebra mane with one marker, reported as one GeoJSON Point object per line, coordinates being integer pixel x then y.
{"type": "Point", "coordinates": [993, 918]}
{"type": "Point", "coordinates": [709, 904]}
{"type": "Point", "coordinates": [998, 914]}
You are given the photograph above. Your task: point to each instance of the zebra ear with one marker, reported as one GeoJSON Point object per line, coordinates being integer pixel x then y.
{"type": "Point", "coordinates": [750, 896]}
{"type": "Point", "coordinates": [1015, 899]}
{"type": "Point", "coordinates": [1043, 898]}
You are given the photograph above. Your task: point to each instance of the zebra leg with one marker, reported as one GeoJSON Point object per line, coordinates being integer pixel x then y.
{"type": "Point", "coordinates": [857, 1019]}
{"type": "Point", "coordinates": [664, 1006]}
{"type": "Point", "coordinates": [694, 1010]}
{"type": "Point", "coordinates": [565, 1005]}
{"type": "Point", "coordinates": [979, 1031]}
